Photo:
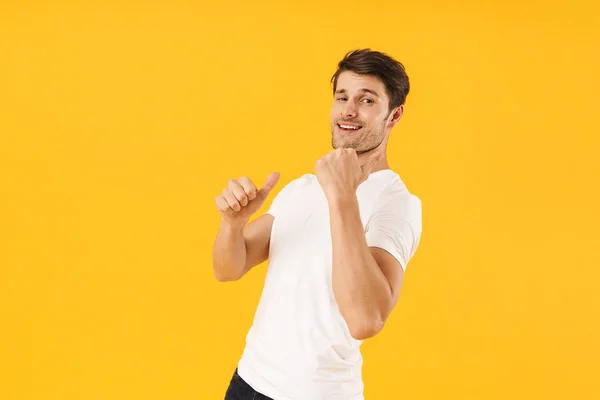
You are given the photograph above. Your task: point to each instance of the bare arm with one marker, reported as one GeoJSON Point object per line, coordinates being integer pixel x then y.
{"type": "Point", "coordinates": [238, 248]}
{"type": "Point", "coordinates": [239, 245]}
{"type": "Point", "coordinates": [366, 280]}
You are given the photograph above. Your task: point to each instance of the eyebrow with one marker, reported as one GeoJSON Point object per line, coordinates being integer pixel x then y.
{"type": "Point", "coordinates": [364, 90]}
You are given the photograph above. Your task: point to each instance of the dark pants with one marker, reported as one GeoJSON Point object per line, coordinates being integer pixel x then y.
{"type": "Point", "coordinates": [239, 390]}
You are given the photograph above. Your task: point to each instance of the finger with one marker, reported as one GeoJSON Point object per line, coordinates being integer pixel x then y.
{"type": "Point", "coordinates": [248, 187]}
{"type": "Point", "coordinates": [231, 200]}
{"type": "Point", "coordinates": [269, 184]}
{"type": "Point", "coordinates": [223, 205]}
{"type": "Point", "coordinates": [353, 155]}
{"type": "Point", "coordinates": [238, 192]}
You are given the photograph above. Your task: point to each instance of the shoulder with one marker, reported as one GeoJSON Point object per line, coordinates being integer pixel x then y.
{"type": "Point", "coordinates": [299, 183]}
{"type": "Point", "coordinates": [393, 196]}
{"type": "Point", "coordinates": [293, 188]}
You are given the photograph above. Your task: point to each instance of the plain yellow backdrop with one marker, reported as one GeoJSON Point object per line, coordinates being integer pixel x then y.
{"type": "Point", "coordinates": [121, 122]}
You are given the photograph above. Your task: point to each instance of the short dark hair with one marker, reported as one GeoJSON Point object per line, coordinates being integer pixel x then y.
{"type": "Point", "coordinates": [380, 65]}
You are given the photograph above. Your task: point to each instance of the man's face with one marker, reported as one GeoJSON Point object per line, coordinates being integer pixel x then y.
{"type": "Point", "coordinates": [359, 114]}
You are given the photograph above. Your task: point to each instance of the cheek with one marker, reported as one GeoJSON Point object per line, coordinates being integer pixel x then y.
{"type": "Point", "coordinates": [367, 119]}
{"type": "Point", "coordinates": [375, 119]}
{"type": "Point", "coordinates": [334, 112]}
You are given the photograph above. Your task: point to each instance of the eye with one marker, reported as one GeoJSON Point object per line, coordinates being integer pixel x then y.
{"type": "Point", "coordinates": [368, 100]}
{"type": "Point", "coordinates": [341, 98]}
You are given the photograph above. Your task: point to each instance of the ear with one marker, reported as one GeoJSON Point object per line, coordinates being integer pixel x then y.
{"type": "Point", "coordinates": [395, 116]}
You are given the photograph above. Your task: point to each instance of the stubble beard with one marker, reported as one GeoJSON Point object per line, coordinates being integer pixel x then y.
{"type": "Point", "coordinates": [368, 141]}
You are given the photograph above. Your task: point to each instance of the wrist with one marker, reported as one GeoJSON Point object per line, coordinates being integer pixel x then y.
{"type": "Point", "coordinates": [341, 198]}
{"type": "Point", "coordinates": [233, 225]}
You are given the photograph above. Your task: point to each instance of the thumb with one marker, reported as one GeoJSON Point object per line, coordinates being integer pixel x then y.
{"type": "Point", "coordinates": [269, 185]}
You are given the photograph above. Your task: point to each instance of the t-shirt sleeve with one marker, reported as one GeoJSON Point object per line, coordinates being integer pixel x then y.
{"type": "Point", "coordinates": [396, 228]}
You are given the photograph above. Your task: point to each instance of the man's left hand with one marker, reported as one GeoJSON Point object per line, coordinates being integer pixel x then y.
{"type": "Point", "coordinates": [340, 172]}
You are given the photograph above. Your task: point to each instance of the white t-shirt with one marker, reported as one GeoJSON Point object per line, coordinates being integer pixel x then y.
{"type": "Point", "coordinates": [299, 346]}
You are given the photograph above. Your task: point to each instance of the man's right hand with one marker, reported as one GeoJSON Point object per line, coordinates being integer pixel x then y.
{"type": "Point", "coordinates": [240, 199]}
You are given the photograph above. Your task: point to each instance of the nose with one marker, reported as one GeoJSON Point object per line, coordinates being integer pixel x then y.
{"type": "Point", "coordinates": [349, 110]}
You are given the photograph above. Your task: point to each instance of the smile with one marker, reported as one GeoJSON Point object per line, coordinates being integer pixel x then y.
{"type": "Point", "coordinates": [347, 127]}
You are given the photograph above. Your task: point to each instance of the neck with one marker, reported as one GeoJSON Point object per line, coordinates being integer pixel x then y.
{"type": "Point", "coordinates": [381, 164]}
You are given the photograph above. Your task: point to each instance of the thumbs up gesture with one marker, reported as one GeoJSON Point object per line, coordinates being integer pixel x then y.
{"type": "Point", "coordinates": [340, 172]}
{"type": "Point", "coordinates": [241, 198]}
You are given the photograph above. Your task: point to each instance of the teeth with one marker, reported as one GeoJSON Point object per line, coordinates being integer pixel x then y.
{"type": "Point", "coordinates": [349, 127]}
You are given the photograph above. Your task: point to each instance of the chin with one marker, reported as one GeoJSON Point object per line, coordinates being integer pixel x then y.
{"type": "Point", "coordinates": [347, 146]}
{"type": "Point", "coordinates": [340, 144]}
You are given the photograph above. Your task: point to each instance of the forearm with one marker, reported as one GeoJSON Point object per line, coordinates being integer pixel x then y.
{"type": "Point", "coordinates": [229, 251]}
{"type": "Point", "coordinates": [360, 288]}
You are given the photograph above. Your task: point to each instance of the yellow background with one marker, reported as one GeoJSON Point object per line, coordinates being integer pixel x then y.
{"type": "Point", "coordinates": [120, 123]}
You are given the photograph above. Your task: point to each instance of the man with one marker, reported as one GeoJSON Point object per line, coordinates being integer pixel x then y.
{"type": "Point", "coordinates": [337, 243]}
